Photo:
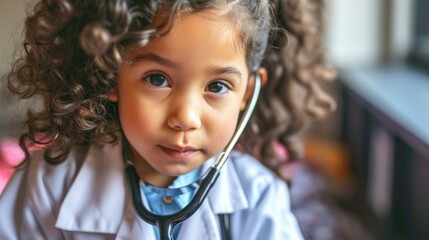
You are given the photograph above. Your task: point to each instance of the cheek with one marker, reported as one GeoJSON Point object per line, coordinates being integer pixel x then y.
{"type": "Point", "coordinates": [223, 128]}
{"type": "Point", "coordinates": [127, 113]}
{"type": "Point", "coordinates": [129, 121]}
{"type": "Point", "coordinates": [135, 117]}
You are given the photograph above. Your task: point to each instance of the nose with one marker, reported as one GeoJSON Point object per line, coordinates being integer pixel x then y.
{"type": "Point", "coordinates": [185, 115]}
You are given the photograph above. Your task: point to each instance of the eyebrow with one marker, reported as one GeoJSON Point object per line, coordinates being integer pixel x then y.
{"type": "Point", "coordinates": [154, 58]}
{"type": "Point", "coordinates": [229, 70]}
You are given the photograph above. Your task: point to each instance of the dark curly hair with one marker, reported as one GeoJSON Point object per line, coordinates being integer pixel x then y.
{"type": "Point", "coordinates": [74, 48]}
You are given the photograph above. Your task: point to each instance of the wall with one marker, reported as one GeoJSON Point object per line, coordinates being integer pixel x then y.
{"type": "Point", "coordinates": [12, 14]}
{"type": "Point", "coordinates": [357, 32]}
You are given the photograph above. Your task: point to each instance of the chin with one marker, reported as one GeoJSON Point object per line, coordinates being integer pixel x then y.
{"type": "Point", "coordinates": [178, 172]}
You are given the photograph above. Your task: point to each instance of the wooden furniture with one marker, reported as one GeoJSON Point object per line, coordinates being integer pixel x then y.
{"type": "Point", "coordinates": [385, 122]}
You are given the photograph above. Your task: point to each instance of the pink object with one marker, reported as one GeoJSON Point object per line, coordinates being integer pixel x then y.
{"type": "Point", "coordinates": [281, 151]}
{"type": "Point", "coordinates": [10, 156]}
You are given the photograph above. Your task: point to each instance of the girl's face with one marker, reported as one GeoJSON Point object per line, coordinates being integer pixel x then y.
{"type": "Point", "coordinates": [179, 97]}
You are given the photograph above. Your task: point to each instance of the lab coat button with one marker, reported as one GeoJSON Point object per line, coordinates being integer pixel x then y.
{"type": "Point", "coordinates": [167, 199]}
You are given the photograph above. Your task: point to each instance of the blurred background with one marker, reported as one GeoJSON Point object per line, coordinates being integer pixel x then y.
{"type": "Point", "coordinates": [371, 158]}
{"type": "Point", "coordinates": [365, 172]}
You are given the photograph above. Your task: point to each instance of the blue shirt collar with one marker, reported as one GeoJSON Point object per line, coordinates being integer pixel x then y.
{"type": "Point", "coordinates": [180, 199]}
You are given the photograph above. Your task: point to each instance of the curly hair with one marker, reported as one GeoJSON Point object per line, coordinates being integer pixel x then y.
{"type": "Point", "coordinates": [73, 52]}
{"type": "Point", "coordinates": [293, 94]}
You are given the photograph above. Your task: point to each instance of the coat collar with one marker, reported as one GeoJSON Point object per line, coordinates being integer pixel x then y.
{"type": "Point", "coordinates": [94, 202]}
{"type": "Point", "coordinates": [227, 195]}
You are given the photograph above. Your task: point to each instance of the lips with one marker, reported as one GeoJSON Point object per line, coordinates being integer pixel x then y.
{"type": "Point", "coordinates": [180, 153]}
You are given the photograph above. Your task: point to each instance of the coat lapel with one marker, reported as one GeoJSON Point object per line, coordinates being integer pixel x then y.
{"type": "Point", "coordinates": [132, 225]}
{"type": "Point", "coordinates": [227, 195]}
{"type": "Point", "coordinates": [96, 200]}
{"type": "Point", "coordinates": [202, 225]}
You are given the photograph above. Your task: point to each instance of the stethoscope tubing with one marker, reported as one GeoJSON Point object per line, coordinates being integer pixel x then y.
{"type": "Point", "coordinates": [241, 126]}
{"type": "Point", "coordinates": [166, 223]}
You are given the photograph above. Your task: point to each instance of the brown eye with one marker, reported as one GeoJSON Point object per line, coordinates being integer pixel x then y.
{"type": "Point", "coordinates": [157, 80]}
{"type": "Point", "coordinates": [217, 87]}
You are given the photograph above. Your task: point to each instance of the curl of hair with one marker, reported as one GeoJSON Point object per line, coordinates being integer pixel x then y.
{"type": "Point", "coordinates": [71, 78]}
{"type": "Point", "coordinates": [74, 48]}
{"type": "Point", "coordinates": [292, 96]}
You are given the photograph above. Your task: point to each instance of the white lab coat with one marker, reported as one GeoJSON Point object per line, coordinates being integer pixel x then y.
{"type": "Point", "coordinates": [87, 197]}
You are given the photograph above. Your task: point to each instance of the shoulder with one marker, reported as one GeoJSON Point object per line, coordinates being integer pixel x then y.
{"type": "Point", "coordinates": [54, 178]}
{"type": "Point", "coordinates": [268, 215]}
{"type": "Point", "coordinates": [257, 180]}
{"type": "Point", "coordinates": [37, 177]}
{"type": "Point", "coordinates": [253, 167]}
{"type": "Point", "coordinates": [34, 195]}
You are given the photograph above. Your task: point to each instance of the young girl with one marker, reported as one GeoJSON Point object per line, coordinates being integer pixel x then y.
{"type": "Point", "coordinates": [165, 82]}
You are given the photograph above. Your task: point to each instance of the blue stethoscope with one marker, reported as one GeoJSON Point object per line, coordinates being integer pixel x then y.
{"type": "Point", "coordinates": [167, 223]}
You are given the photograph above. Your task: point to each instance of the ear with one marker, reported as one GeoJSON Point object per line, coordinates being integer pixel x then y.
{"type": "Point", "coordinates": [113, 95]}
{"type": "Point", "coordinates": [263, 75]}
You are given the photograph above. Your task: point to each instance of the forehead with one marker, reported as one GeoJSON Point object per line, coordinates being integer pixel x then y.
{"type": "Point", "coordinates": [198, 39]}
{"type": "Point", "coordinates": [210, 23]}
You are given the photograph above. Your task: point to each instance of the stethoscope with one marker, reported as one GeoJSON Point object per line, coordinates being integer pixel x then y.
{"type": "Point", "coordinates": [167, 223]}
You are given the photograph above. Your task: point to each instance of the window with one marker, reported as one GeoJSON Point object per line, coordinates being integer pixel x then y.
{"type": "Point", "coordinates": [420, 48]}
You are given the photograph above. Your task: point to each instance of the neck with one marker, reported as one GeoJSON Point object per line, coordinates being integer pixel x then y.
{"type": "Point", "coordinates": [154, 179]}
{"type": "Point", "coordinates": [146, 171]}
